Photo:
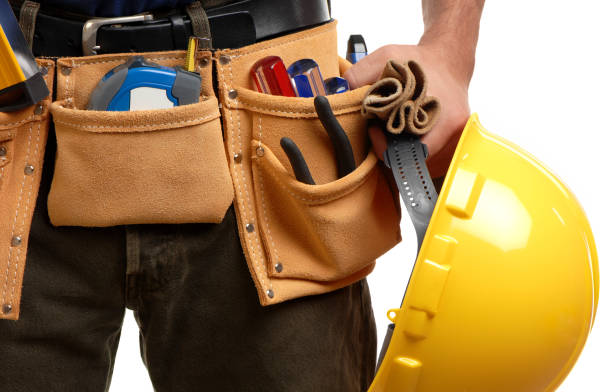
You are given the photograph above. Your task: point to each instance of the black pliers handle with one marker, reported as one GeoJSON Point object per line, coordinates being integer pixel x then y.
{"type": "Point", "coordinates": [345, 160]}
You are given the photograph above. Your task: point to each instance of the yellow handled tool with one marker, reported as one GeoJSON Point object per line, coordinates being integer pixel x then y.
{"type": "Point", "coordinates": [21, 81]}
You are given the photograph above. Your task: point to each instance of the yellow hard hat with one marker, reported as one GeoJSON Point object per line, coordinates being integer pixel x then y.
{"type": "Point", "coordinates": [505, 287]}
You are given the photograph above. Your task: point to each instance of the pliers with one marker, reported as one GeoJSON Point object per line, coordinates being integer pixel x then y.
{"type": "Point", "coordinates": [345, 160]}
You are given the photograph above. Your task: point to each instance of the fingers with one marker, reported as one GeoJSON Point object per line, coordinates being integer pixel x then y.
{"type": "Point", "coordinates": [435, 139]}
{"type": "Point", "coordinates": [368, 69]}
{"type": "Point", "coordinates": [439, 156]}
{"type": "Point", "coordinates": [439, 162]}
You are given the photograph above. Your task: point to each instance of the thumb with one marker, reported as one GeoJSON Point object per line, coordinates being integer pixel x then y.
{"type": "Point", "coordinates": [368, 69]}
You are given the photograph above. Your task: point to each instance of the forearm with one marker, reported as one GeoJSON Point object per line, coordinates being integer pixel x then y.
{"type": "Point", "coordinates": [451, 27]}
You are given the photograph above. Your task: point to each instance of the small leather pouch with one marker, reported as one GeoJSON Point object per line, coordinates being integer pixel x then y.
{"type": "Point", "coordinates": [324, 232]}
{"type": "Point", "coordinates": [149, 166]}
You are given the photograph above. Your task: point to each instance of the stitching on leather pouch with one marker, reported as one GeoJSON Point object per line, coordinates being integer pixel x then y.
{"type": "Point", "coordinates": [260, 132]}
{"type": "Point", "coordinates": [72, 80]}
{"type": "Point", "coordinates": [262, 275]}
{"type": "Point", "coordinates": [66, 84]}
{"type": "Point", "coordinates": [26, 210]}
{"type": "Point", "coordinates": [2, 160]}
{"type": "Point", "coordinates": [340, 110]}
{"type": "Point", "coordinates": [195, 121]}
{"type": "Point", "coordinates": [265, 213]}
{"type": "Point", "coordinates": [18, 123]}
{"type": "Point", "coordinates": [10, 252]}
{"type": "Point", "coordinates": [321, 200]}
{"type": "Point", "coordinates": [123, 59]}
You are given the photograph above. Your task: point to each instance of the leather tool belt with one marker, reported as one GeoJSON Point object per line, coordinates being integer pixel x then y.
{"type": "Point", "coordinates": [190, 163]}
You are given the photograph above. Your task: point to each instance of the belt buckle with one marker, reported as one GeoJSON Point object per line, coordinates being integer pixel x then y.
{"type": "Point", "coordinates": [90, 29]}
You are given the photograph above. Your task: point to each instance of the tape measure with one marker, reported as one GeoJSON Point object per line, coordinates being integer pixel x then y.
{"type": "Point", "coordinates": [139, 84]}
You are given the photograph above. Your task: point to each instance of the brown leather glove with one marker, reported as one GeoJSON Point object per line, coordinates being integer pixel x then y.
{"type": "Point", "coordinates": [399, 98]}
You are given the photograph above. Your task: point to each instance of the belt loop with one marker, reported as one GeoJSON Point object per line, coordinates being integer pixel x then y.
{"type": "Point", "coordinates": [199, 23]}
{"type": "Point", "coordinates": [27, 20]}
{"type": "Point", "coordinates": [179, 32]}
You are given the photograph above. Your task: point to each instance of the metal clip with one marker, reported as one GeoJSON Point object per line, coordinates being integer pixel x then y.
{"type": "Point", "coordinates": [90, 30]}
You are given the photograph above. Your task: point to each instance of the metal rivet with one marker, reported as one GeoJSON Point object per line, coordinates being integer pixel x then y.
{"type": "Point", "coordinates": [260, 151]}
{"type": "Point", "coordinates": [233, 94]}
{"type": "Point", "coordinates": [16, 240]}
{"type": "Point", "coordinates": [204, 62]}
{"type": "Point", "coordinates": [66, 70]}
{"type": "Point", "coordinates": [7, 308]}
{"type": "Point", "coordinates": [224, 60]}
{"type": "Point", "coordinates": [29, 169]}
{"type": "Point", "coordinates": [3, 151]}
{"type": "Point", "coordinates": [250, 227]}
{"type": "Point", "coordinates": [270, 293]}
{"type": "Point", "coordinates": [38, 110]}
{"type": "Point", "coordinates": [278, 267]}
{"type": "Point", "coordinates": [238, 157]}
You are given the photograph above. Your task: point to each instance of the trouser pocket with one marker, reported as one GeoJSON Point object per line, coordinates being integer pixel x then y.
{"type": "Point", "coordinates": [136, 167]}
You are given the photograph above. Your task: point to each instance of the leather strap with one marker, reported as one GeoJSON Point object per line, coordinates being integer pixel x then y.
{"type": "Point", "coordinates": [201, 25]}
{"type": "Point", "coordinates": [27, 20]}
{"type": "Point", "coordinates": [180, 35]}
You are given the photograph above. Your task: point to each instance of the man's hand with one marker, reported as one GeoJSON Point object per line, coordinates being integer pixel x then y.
{"type": "Point", "coordinates": [446, 53]}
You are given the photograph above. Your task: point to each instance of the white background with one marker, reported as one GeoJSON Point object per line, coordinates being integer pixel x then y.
{"type": "Point", "coordinates": [542, 80]}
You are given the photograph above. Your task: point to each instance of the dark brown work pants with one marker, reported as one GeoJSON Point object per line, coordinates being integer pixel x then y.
{"type": "Point", "coordinates": [201, 325]}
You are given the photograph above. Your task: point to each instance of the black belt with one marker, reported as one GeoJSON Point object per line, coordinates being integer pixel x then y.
{"type": "Point", "coordinates": [232, 26]}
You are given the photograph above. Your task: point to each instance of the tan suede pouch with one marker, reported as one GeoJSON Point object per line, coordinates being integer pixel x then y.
{"type": "Point", "coordinates": [302, 239]}
{"type": "Point", "coordinates": [23, 135]}
{"type": "Point", "coordinates": [150, 166]}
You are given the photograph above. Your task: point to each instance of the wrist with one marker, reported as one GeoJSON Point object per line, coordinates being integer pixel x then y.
{"type": "Point", "coordinates": [456, 55]}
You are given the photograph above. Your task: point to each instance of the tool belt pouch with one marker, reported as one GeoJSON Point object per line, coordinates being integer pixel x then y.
{"type": "Point", "coordinates": [320, 232]}
{"type": "Point", "coordinates": [23, 136]}
{"type": "Point", "coordinates": [136, 167]}
{"type": "Point", "coordinates": [302, 239]}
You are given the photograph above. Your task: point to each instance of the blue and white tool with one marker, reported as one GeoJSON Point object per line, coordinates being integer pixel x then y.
{"type": "Point", "coordinates": [306, 78]}
{"type": "Point", "coordinates": [142, 85]}
{"type": "Point", "coordinates": [356, 48]}
{"type": "Point", "coordinates": [336, 85]}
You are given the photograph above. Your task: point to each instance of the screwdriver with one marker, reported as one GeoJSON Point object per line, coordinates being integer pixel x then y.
{"type": "Point", "coordinates": [336, 85]}
{"type": "Point", "coordinates": [270, 77]}
{"type": "Point", "coordinates": [307, 78]}
{"type": "Point", "coordinates": [356, 48]}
